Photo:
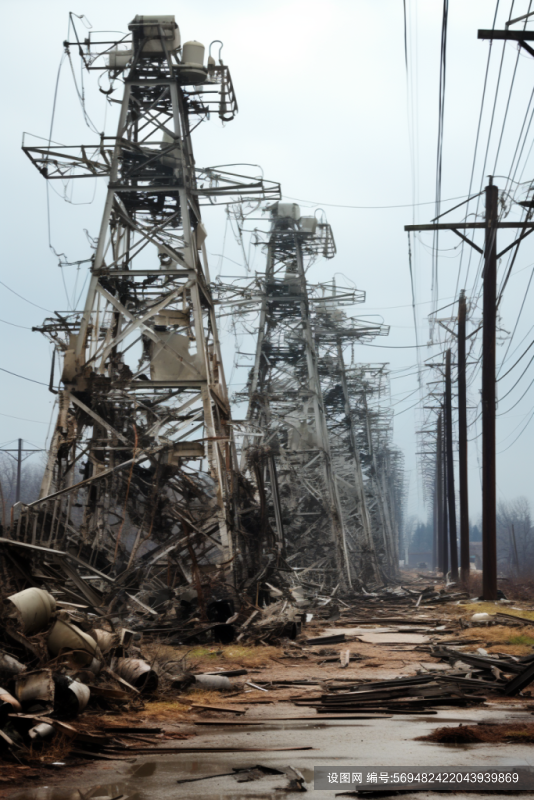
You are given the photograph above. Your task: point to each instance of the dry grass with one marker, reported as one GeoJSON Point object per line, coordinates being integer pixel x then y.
{"type": "Point", "coordinates": [206, 658]}
{"type": "Point", "coordinates": [195, 694]}
{"type": "Point", "coordinates": [55, 749]}
{"type": "Point", "coordinates": [513, 588]}
{"type": "Point", "coordinates": [501, 638]}
{"type": "Point", "coordinates": [510, 649]}
{"type": "Point", "coordinates": [13, 774]}
{"type": "Point", "coordinates": [468, 609]}
{"type": "Point", "coordinates": [180, 708]}
{"type": "Point", "coordinates": [168, 710]}
{"type": "Point", "coordinates": [509, 733]}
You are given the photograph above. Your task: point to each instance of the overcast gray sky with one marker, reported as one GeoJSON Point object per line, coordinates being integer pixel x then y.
{"type": "Point", "coordinates": [326, 109]}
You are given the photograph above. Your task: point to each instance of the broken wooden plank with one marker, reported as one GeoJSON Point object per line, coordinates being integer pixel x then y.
{"type": "Point", "coordinates": [226, 709]}
{"type": "Point", "coordinates": [317, 640]}
{"type": "Point", "coordinates": [520, 682]}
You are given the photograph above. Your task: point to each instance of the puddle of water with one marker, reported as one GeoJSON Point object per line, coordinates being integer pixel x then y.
{"type": "Point", "coordinates": [313, 724]}
{"type": "Point", "coordinates": [139, 772]}
{"type": "Point", "coordinates": [145, 770]}
{"type": "Point", "coordinates": [105, 792]}
{"type": "Point", "coordinates": [359, 631]}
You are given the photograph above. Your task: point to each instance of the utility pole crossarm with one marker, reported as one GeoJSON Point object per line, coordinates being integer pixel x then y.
{"type": "Point", "coordinates": [513, 36]}
{"type": "Point", "coordinates": [527, 228]}
{"type": "Point", "coordinates": [521, 37]}
{"type": "Point", "coordinates": [451, 226]}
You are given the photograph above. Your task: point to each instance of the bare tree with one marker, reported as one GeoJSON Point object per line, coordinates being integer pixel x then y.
{"type": "Point", "coordinates": [515, 536]}
{"type": "Point", "coordinates": [30, 482]}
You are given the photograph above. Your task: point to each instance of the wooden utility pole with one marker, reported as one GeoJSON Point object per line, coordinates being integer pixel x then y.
{"type": "Point", "coordinates": [439, 493]}
{"type": "Point", "coordinates": [19, 470]}
{"type": "Point", "coordinates": [451, 494]}
{"type": "Point", "coordinates": [490, 227]}
{"type": "Point", "coordinates": [19, 450]}
{"type": "Point", "coordinates": [489, 396]}
{"type": "Point", "coordinates": [515, 556]}
{"type": "Point", "coordinates": [462, 438]}
{"type": "Point", "coordinates": [435, 524]}
{"type": "Point", "coordinates": [445, 543]}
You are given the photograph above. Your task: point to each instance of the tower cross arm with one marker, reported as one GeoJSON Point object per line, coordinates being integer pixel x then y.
{"type": "Point", "coordinates": [513, 36]}
{"type": "Point", "coordinates": [521, 37]}
{"type": "Point", "coordinates": [451, 226]}
{"type": "Point", "coordinates": [525, 227]}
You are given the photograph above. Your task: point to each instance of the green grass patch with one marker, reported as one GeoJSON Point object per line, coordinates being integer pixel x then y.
{"type": "Point", "coordinates": [494, 608]}
{"type": "Point", "coordinates": [522, 639]}
{"type": "Point", "coordinates": [204, 652]}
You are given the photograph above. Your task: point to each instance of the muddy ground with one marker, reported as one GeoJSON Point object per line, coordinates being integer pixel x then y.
{"type": "Point", "coordinates": [267, 720]}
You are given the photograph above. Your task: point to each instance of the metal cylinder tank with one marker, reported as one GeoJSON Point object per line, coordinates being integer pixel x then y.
{"type": "Point", "coordinates": [34, 609]}
{"type": "Point", "coordinates": [118, 59]}
{"type": "Point", "coordinates": [287, 210]}
{"type": "Point", "coordinates": [150, 29]}
{"type": "Point", "coordinates": [193, 54]}
{"type": "Point", "coordinates": [308, 225]}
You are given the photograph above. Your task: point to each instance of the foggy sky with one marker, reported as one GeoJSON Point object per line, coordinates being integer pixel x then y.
{"type": "Point", "coordinates": [324, 108]}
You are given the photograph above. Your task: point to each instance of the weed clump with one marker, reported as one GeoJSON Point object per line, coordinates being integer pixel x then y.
{"type": "Point", "coordinates": [506, 733]}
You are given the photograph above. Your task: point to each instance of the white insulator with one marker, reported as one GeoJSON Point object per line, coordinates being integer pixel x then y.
{"type": "Point", "coordinates": [287, 210]}
{"type": "Point", "coordinates": [118, 59]}
{"type": "Point", "coordinates": [193, 54]}
{"type": "Point", "coordinates": [308, 224]}
{"type": "Point", "coordinates": [149, 27]}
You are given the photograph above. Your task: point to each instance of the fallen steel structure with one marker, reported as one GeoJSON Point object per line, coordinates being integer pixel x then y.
{"type": "Point", "coordinates": [142, 473]}
{"type": "Point", "coordinates": [154, 501]}
{"type": "Point", "coordinates": [306, 424]}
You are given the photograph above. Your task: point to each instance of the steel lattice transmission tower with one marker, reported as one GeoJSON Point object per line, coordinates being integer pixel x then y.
{"type": "Point", "coordinates": [143, 407]}
{"type": "Point", "coordinates": [333, 331]}
{"type": "Point", "coordinates": [287, 446]}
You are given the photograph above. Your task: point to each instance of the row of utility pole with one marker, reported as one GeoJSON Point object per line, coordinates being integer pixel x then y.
{"type": "Point", "coordinates": [490, 225]}
{"type": "Point", "coordinates": [445, 497]}
{"type": "Point", "coordinates": [19, 450]}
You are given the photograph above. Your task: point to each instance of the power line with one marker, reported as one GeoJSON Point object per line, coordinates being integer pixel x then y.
{"type": "Point", "coordinates": [396, 346]}
{"type": "Point", "coordinates": [508, 101]}
{"type": "Point", "coordinates": [25, 298]}
{"type": "Point", "coordinates": [23, 377]}
{"type": "Point", "coordinates": [477, 141]}
{"type": "Point", "coordinates": [398, 413]}
{"type": "Point", "coordinates": [517, 381]}
{"type": "Point", "coordinates": [517, 362]}
{"type": "Point", "coordinates": [14, 325]}
{"type": "Point", "coordinates": [405, 398]}
{"type": "Point", "coordinates": [518, 435]}
{"type": "Point", "coordinates": [439, 154]}
{"type": "Point", "coordinates": [503, 413]}
{"type": "Point", "coordinates": [404, 205]}
{"type": "Point", "coordinates": [24, 419]}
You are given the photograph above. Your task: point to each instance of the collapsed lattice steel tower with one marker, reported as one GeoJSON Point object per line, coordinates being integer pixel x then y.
{"type": "Point", "coordinates": [342, 387]}
{"type": "Point", "coordinates": [142, 467]}
{"type": "Point", "coordinates": [302, 445]}
{"type": "Point", "coordinates": [382, 462]}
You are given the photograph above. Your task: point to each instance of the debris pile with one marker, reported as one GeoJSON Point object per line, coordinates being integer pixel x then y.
{"type": "Point", "coordinates": [54, 663]}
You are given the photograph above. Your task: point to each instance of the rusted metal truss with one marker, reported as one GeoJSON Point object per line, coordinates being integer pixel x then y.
{"type": "Point", "coordinates": [305, 427]}
{"type": "Point", "coordinates": [142, 475]}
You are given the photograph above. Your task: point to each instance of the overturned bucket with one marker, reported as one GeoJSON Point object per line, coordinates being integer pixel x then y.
{"type": "Point", "coordinates": [105, 639]}
{"type": "Point", "coordinates": [35, 686]}
{"type": "Point", "coordinates": [33, 609]}
{"type": "Point", "coordinates": [137, 672]}
{"type": "Point", "coordinates": [217, 682]}
{"type": "Point", "coordinates": [41, 731]}
{"type": "Point", "coordinates": [5, 697]}
{"type": "Point", "coordinates": [71, 696]}
{"type": "Point", "coordinates": [66, 636]}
